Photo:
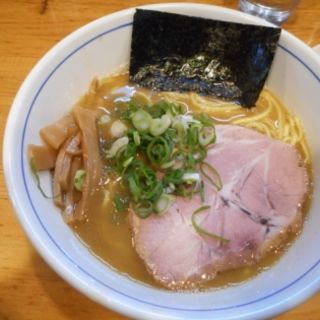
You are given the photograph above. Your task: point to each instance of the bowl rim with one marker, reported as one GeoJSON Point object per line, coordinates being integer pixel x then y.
{"type": "Point", "coordinates": [58, 265]}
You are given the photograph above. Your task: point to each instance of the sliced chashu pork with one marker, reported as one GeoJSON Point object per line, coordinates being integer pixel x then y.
{"type": "Point", "coordinates": [264, 183]}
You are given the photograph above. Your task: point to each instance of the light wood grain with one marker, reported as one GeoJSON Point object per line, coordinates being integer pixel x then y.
{"type": "Point", "coordinates": [29, 289]}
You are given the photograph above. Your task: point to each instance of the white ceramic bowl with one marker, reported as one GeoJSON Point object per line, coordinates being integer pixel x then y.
{"type": "Point", "coordinates": [49, 91]}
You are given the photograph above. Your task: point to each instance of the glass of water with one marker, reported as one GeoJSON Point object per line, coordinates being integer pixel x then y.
{"type": "Point", "coordinates": [275, 11]}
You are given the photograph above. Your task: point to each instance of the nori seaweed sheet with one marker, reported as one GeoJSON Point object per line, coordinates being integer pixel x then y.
{"type": "Point", "coordinates": [172, 52]}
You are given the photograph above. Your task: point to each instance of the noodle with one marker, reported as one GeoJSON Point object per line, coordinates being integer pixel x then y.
{"type": "Point", "coordinates": [268, 117]}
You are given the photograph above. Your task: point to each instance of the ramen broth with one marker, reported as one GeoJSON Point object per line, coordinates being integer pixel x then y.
{"type": "Point", "coordinates": [107, 234]}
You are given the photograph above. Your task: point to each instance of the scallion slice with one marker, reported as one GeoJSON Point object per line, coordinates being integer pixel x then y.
{"type": "Point", "coordinates": [127, 162]}
{"type": "Point", "coordinates": [192, 138]}
{"type": "Point", "coordinates": [37, 178]}
{"type": "Point", "coordinates": [160, 125]}
{"type": "Point", "coordinates": [124, 157]}
{"type": "Point", "coordinates": [207, 135]}
{"type": "Point", "coordinates": [118, 129]}
{"type": "Point", "coordinates": [201, 191]}
{"type": "Point", "coordinates": [211, 174]}
{"type": "Point", "coordinates": [191, 176]}
{"type": "Point", "coordinates": [143, 209]}
{"type": "Point", "coordinates": [180, 128]}
{"type": "Point", "coordinates": [143, 183]}
{"type": "Point", "coordinates": [116, 146]}
{"type": "Point", "coordinates": [104, 119]}
{"type": "Point", "coordinates": [141, 99]}
{"type": "Point", "coordinates": [168, 164]}
{"type": "Point", "coordinates": [163, 203]}
{"type": "Point", "coordinates": [205, 120]}
{"type": "Point", "coordinates": [159, 150]}
{"type": "Point", "coordinates": [134, 188]}
{"type": "Point", "coordinates": [141, 120]}
{"type": "Point", "coordinates": [202, 231]}
{"type": "Point", "coordinates": [79, 178]}
{"type": "Point", "coordinates": [136, 138]}
{"type": "Point", "coordinates": [174, 177]}
{"type": "Point", "coordinates": [120, 203]}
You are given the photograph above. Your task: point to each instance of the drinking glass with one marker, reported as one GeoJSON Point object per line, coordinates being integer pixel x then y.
{"type": "Point", "coordinates": [275, 11]}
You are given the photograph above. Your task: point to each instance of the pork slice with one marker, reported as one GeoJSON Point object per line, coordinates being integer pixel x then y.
{"type": "Point", "coordinates": [264, 184]}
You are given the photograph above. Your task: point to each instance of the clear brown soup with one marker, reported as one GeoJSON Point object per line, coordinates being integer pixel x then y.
{"type": "Point", "coordinates": [111, 240]}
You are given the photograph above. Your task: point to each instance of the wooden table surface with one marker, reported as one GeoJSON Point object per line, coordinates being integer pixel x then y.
{"type": "Point", "coordinates": [29, 288]}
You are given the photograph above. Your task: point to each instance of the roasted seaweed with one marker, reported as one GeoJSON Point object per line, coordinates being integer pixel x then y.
{"type": "Point", "coordinates": [172, 52]}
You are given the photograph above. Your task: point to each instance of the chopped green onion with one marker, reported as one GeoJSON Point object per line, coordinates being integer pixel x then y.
{"type": "Point", "coordinates": [180, 108]}
{"type": "Point", "coordinates": [136, 138]}
{"type": "Point", "coordinates": [211, 175]}
{"type": "Point", "coordinates": [188, 189]}
{"type": "Point", "coordinates": [120, 209]}
{"type": "Point", "coordinates": [168, 164]}
{"type": "Point", "coordinates": [200, 155]}
{"type": "Point", "coordinates": [36, 176]}
{"type": "Point", "coordinates": [121, 203]}
{"type": "Point", "coordinates": [79, 178]}
{"type": "Point", "coordinates": [189, 161]}
{"type": "Point", "coordinates": [118, 129]}
{"type": "Point", "coordinates": [163, 203]}
{"type": "Point", "coordinates": [134, 188]}
{"type": "Point", "coordinates": [125, 156]}
{"type": "Point", "coordinates": [180, 128]}
{"type": "Point", "coordinates": [201, 191]}
{"type": "Point", "coordinates": [165, 107]}
{"type": "Point", "coordinates": [143, 183]}
{"type": "Point", "coordinates": [187, 119]}
{"type": "Point", "coordinates": [143, 209]}
{"type": "Point", "coordinates": [170, 135]}
{"type": "Point", "coordinates": [160, 125]}
{"type": "Point", "coordinates": [191, 176]}
{"type": "Point", "coordinates": [192, 137]}
{"type": "Point", "coordinates": [141, 120]}
{"type": "Point", "coordinates": [163, 153]}
{"type": "Point", "coordinates": [127, 110]}
{"type": "Point", "coordinates": [205, 119]}
{"type": "Point", "coordinates": [104, 119]}
{"type": "Point", "coordinates": [202, 231]}
{"type": "Point", "coordinates": [174, 176]}
{"type": "Point", "coordinates": [116, 146]}
{"type": "Point", "coordinates": [159, 150]}
{"type": "Point", "coordinates": [127, 162]}
{"type": "Point", "coordinates": [141, 99]}
{"type": "Point", "coordinates": [207, 135]}
{"type": "Point", "coordinates": [171, 187]}
{"type": "Point", "coordinates": [145, 137]}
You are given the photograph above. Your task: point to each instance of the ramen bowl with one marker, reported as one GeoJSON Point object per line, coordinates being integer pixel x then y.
{"type": "Point", "coordinates": [57, 82]}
